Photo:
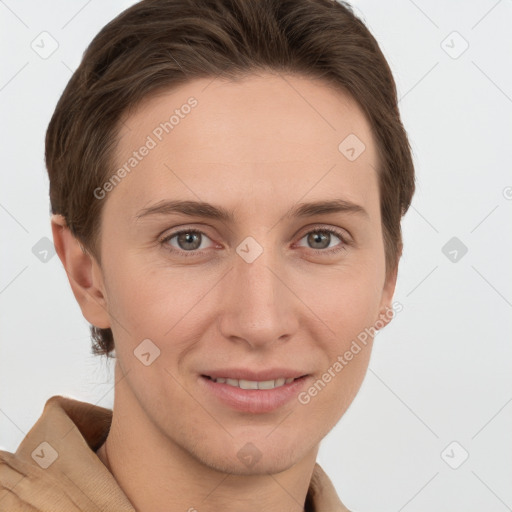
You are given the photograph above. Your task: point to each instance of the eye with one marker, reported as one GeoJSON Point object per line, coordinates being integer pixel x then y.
{"type": "Point", "coordinates": [189, 241]}
{"type": "Point", "coordinates": [321, 239]}
{"type": "Point", "coordinates": [192, 242]}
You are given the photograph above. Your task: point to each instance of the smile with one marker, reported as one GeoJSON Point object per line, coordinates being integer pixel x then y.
{"type": "Point", "coordinates": [253, 396]}
{"type": "Point", "coordinates": [254, 384]}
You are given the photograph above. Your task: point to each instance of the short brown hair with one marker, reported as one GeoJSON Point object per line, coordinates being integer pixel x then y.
{"type": "Point", "coordinates": [159, 44]}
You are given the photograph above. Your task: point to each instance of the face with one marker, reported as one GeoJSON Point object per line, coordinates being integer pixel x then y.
{"type": "Point", "coordinates": [270, 288]}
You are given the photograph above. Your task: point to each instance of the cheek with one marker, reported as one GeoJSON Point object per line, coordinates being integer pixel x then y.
{"type": "Point", "coordinates": [346, 302]}
{"type": "Point", "coordinates": [153, 300]}
{"type": "Point", "coordinates": [142, 290]}
{"type": "Point", "coordinates": [340, 383]}
{"type": "Point", "coordinates": [345, 357]}
{"type": "Point", "coordinates": [135, 301]}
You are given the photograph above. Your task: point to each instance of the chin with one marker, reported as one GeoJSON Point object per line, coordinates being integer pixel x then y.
{"type": "Point", "coordinates": [251, 457]}
{"type": "Point", "coordinates": [266, 465]}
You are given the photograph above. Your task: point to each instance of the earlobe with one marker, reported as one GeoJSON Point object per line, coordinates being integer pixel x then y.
{"type": "Point", "coordinates": [83, 273]}
{"type": "Point", "coordinates": [386, 312]}
{"type": "Point", "coordinates": [385, 316]}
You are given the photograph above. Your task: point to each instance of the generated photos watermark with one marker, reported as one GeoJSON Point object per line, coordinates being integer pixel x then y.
{"type": "Point", "coordinates": [152, 141]}
{"type": "Point", "coordinates": [344, 359]}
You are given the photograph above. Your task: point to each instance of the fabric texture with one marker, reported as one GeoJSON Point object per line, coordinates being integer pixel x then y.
{"type": "Point", "coordinates": [56, 469]}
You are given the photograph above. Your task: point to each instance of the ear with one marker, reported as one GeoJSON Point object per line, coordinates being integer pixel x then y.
{"type": "Point", "coordinates": [386, 313]}
{"type": "Point", "coordinates": [84, 274]}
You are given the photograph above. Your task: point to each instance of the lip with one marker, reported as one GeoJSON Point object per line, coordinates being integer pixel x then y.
{"type": "Point", "coordinates": [255, 401]}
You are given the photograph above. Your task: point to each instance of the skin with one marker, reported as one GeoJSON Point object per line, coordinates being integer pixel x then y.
{"type": "Point", "coordinates": [257, 147]}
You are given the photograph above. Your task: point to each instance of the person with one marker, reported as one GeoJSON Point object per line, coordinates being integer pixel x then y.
{"type": "Point", "coordinates": [227, 182]}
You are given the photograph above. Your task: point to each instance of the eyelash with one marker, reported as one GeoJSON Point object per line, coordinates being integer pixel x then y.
{"type": "Point", "coordinates": [332, 251]}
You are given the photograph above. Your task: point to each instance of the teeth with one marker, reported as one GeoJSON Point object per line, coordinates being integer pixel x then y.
{"type": "Point", "coordinates": [266, 384]}
{"type": "Point", "coordinates": [253, 384]}
{"type": "Point", "coordinates": [247, 384]}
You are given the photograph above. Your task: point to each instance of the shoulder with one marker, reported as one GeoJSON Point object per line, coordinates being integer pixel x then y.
{"type": "Point", "coordinates": [26, 487]}
{"type": "Point", "coordinates": [13, 484]}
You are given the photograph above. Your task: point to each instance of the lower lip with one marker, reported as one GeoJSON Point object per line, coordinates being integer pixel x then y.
{"type": "Point", "coordinates": [254, 400]}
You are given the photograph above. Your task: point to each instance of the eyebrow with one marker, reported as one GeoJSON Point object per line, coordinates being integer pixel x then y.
{"type": "Point", "coordinates": [210, 211]}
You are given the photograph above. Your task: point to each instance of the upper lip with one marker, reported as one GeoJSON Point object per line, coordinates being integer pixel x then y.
{"type": "Point", "coordinates": [262, 375]}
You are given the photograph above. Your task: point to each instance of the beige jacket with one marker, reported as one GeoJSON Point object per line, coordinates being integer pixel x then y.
{"type": "Point", "coordinates": [56, 469]}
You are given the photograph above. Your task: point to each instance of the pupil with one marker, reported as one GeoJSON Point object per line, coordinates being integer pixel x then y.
{"type": "Point", "coordinates": [318, 238]}
{"type": "Point", "coordinates": [188, 238]}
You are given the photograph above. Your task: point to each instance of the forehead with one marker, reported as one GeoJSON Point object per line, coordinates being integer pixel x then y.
{"type": "Point", "coordinates": [251, 139]}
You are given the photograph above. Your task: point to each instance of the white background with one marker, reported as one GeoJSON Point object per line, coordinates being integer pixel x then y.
{"type": "Point", "coordinates": [440, 372]}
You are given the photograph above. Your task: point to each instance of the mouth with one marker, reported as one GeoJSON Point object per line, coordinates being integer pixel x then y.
{"type": "Point", "coordinates": [254, 384]}
{"type": "Point", "coordinates": [253, 396]}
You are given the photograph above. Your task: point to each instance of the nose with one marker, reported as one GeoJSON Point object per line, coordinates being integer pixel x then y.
{"type": "Point", "coordinates": [258, 304]}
